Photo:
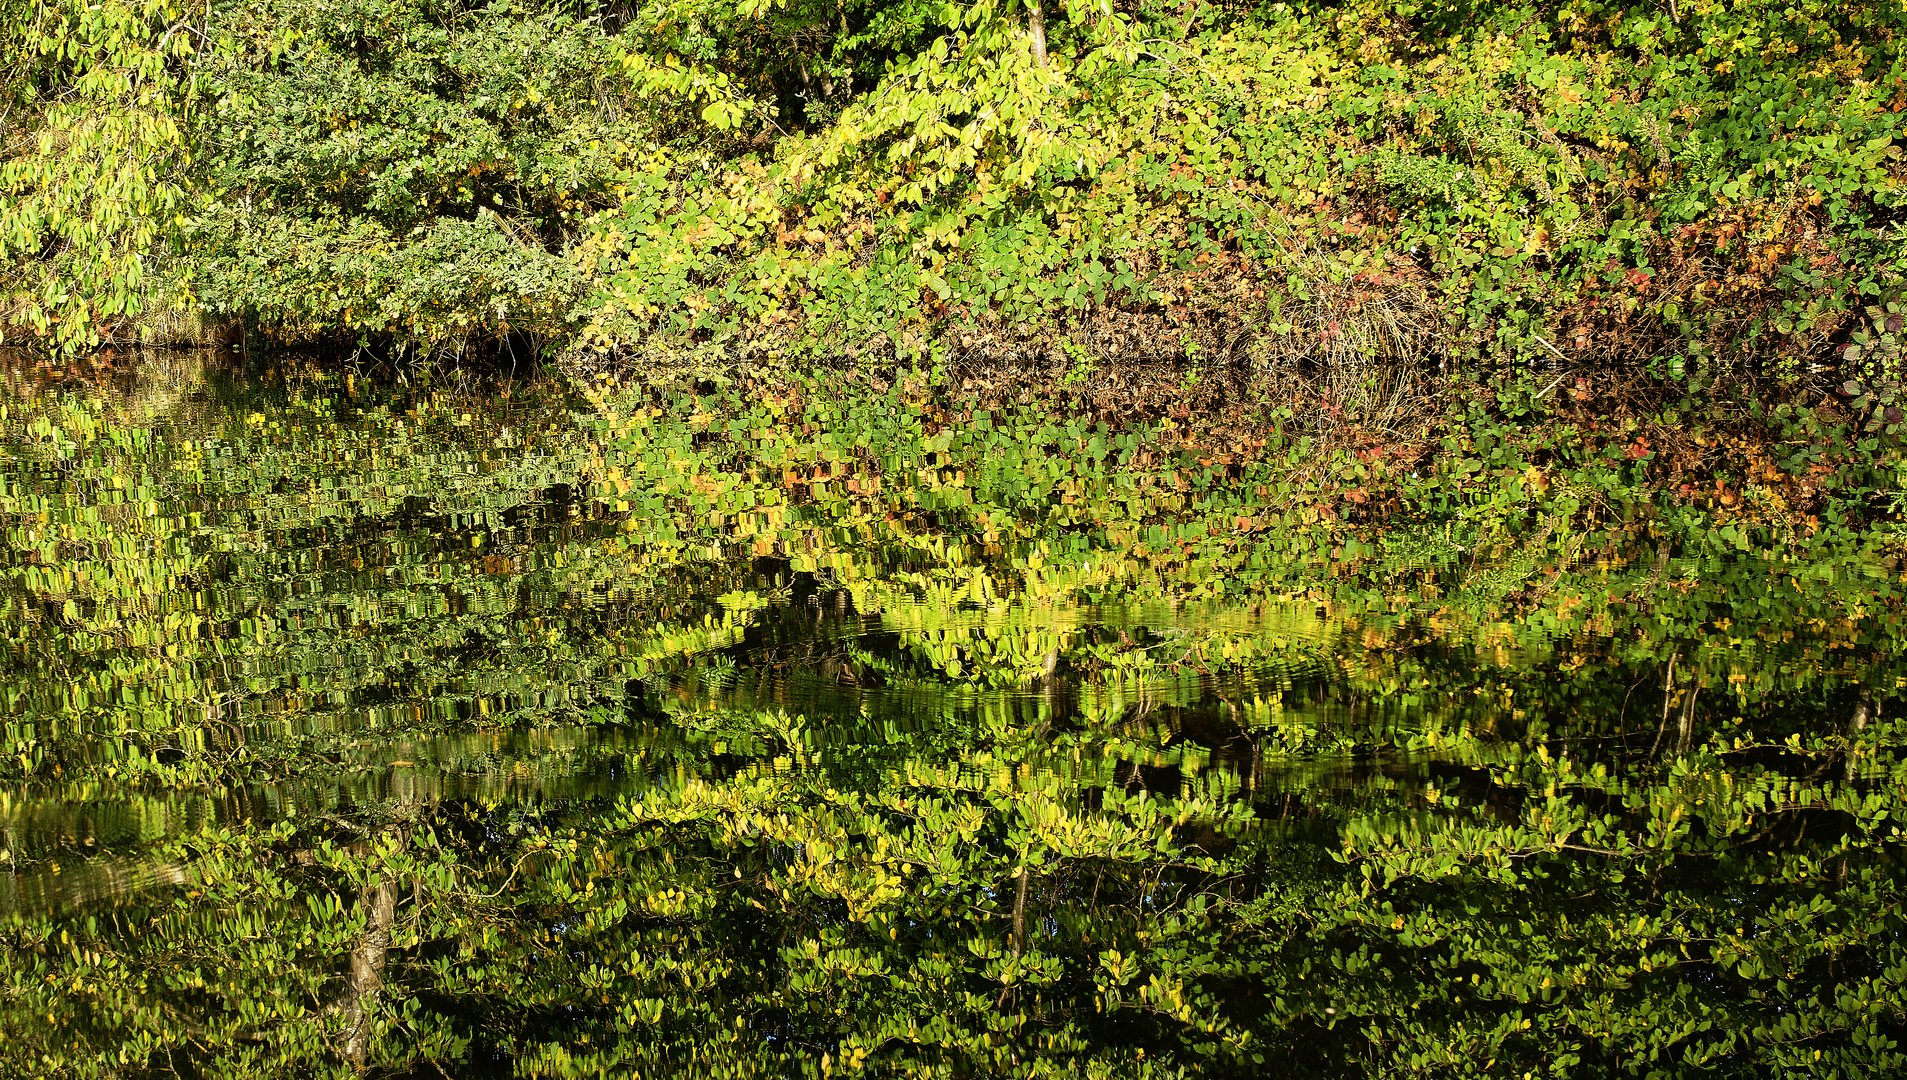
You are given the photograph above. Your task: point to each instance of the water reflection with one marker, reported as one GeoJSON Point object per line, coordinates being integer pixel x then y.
{"type": "Point", "coordinates": [487, 728]}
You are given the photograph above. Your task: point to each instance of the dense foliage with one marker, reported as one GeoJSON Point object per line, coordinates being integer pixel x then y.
{"type": "Point", "coordinates": [91, 112]}
{"type": "Point", "coordinates": [1696, 184]}
{"type": "Point", "coordinates": [903, 720]}
{"type": "Point", "coordinates": [497, 731]}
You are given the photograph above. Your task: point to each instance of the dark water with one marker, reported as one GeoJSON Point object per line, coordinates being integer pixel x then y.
{"type": "Point", "coordinates": [360, 726]}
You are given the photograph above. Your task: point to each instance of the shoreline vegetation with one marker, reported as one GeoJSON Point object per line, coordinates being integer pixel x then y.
{"type": "Point", "coordinates": [1347, 196]}
{"type": "Point", "coordinates": [1391, 228]}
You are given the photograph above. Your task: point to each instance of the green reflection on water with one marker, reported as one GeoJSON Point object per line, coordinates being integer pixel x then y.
{"type": "Point", "coordinates": [493, 730]}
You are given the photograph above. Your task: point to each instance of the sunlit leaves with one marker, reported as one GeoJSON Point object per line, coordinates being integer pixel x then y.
{"type": "Point", "coordinates": [89, 168]}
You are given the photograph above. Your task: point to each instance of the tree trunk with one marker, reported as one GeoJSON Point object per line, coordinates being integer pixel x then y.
{"type": "Point", "coordinates": [1036, 29]}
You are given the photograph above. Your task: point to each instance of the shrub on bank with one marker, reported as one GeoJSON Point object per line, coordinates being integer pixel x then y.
{"type": "Point", "coordinates": [1613, 183]}
{"type": "Point", "coordinates": [1538, 182]}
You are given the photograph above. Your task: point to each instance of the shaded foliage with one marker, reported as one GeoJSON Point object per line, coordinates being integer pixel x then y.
{"type": "Point", "coordinates": [494, 729]}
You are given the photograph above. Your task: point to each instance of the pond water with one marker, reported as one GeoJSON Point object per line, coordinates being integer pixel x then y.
{"type": "Point", "coordinates": [353, 726]}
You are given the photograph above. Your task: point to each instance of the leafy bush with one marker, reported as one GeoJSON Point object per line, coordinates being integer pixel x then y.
{"type": "Point", "coordinates": [1583, 182]}
{"type": "Point", "coordinates": [90, 144]}
{"type": "Point", "coordinates": [1697, 187]}
{"type": "Point", "coordinates": [402, 167]}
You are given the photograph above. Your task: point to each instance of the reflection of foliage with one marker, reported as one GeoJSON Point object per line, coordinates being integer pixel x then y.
{"type": "Point", "coordinates": [1876, 354]}
{"type": "Point", "coordinates": [819, 733]}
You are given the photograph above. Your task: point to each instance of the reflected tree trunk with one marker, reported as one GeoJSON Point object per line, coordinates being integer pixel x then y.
{"type": "Point", "coordinates": [1019, 915]}
{"type": "Point", "coordinates": [1686, 733]}
{"type": "Point", "coordinates": [1668, 702]}
{"type": "Point", "coordinates": [366, 982]}
{"type": "Point", "coordinates": [1857, 723]}
{"type": "Point", "coordinates": [1017, 933]}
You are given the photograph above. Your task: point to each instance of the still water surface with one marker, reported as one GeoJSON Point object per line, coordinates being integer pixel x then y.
{"type": "Point", "coordinates": [360, 727]}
